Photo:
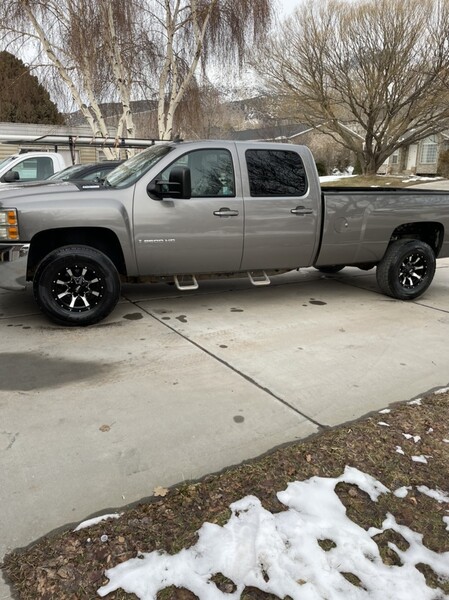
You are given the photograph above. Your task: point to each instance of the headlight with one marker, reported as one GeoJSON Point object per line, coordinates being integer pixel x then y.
{"type": "Point", "coordinates": [9, 227]}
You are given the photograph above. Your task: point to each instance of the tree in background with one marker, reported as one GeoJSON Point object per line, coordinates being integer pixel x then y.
{"type": "Point", "coordinates": [86, 45]}
{"type": "Point", "coordinates": [22, 98]}
{"type": "Point", "coordinates": [115, 51]}
{"type": "Point", "coordinates": [369, 73]}
{"type": "Point", "coordinates": [191, 33]}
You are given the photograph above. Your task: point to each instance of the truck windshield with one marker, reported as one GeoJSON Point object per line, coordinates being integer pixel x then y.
{"type": "Point", "coordinates": [131, 170]}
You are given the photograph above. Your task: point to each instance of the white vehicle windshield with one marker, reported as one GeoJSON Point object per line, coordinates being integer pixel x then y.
{"type": "Point", "coordinates": [6, 160]}
{"type": "Point", "coordinates": [130, 171]}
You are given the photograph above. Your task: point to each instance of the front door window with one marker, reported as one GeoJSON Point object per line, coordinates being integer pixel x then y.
{"type": "Point", "coordinates": [211, 172]}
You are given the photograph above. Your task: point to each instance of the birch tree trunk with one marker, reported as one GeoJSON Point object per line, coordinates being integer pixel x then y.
{"type": "Point", "coordinates": [96, 123]}
{"type": "Point", "coordinates": [172, 86]}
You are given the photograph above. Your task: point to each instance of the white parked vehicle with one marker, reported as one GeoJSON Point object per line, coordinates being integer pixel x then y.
{"type": "Point", "coordinates": [30, 166]}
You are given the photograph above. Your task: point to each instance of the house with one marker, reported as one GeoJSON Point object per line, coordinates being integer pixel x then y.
{"type": "Point", "coordinates": [426, 157]}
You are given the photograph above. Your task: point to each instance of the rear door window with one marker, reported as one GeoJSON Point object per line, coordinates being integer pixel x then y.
{"type": "Point", "coordinates": [276, 173]}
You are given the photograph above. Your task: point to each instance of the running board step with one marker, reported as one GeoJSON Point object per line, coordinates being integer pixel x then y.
{"type": "Point", "coordinates": [188, 282]}
{"type": "Point", "coordinates": [258, 278]}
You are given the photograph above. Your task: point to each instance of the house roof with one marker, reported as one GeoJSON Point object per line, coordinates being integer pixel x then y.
{"type": "Point", "coordinates": [27, 129]}
{"type": "Point", "coordinates": [274, 132]}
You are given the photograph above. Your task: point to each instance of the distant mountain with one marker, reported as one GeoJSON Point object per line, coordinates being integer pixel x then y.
{"type": "Point", "coordinates": [236, 114]}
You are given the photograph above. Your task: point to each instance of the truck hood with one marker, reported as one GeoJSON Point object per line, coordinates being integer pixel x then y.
{"type": "Point", "coordinates": [12, 195]}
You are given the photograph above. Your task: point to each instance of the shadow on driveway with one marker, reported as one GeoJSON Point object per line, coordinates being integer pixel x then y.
{"type": "Point", "coordinates": [26, 371]}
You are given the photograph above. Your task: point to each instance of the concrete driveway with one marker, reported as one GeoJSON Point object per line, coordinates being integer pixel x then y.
{"type": "Point", "coordinates": [173, 386]}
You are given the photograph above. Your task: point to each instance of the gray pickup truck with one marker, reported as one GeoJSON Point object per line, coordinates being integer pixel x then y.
{"type": "Point", "coordinates": [184, 211]}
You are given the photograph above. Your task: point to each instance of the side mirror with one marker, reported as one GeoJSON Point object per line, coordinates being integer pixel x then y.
{"type": "Point", "coordinates": [10, 176]}
{"type": "Point", "coordinates": [178, 186]}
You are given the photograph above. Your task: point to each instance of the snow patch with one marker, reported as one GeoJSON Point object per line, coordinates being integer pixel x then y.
{"type": "Point", "coordinates": [442, 390]}
{"type": "Point", "coordinates": [415, 438]}
{"type": "Point", "coordinates": [280, 554]}
{"type": "Point", "coordinates": [437, 495]}
{"type": "Point", "coordinates": [335, 177]}
{"type": "Point", "coordinates": [420, 459]}
{"type": "Point", "coordinates": [399, 450]}
{"type": "Point", "coordinates": [416, 402]}
{"type": "Point", "coordinates": [402, 491]}
{"type": "Point", "coordinates": [96, 520]}
{"type": "Point", "coordinates": [383, 424]}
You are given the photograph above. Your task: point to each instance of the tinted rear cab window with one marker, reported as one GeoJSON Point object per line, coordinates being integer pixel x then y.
{"type": "Point", "coordinates": [276, 173]}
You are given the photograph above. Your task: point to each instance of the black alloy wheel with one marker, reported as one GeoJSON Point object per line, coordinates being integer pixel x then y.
{"type": "Point", "coordinates": [407, 269]}
{"type": "Point", "coordinates": [76, 285]}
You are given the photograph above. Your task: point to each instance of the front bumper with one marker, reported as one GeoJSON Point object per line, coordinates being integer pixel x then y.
{"type": "Point", "coordinates": [13, 266]}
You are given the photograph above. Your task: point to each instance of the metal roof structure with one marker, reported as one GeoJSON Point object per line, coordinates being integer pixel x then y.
{"type": "Point", "coordinates": [77, 140]}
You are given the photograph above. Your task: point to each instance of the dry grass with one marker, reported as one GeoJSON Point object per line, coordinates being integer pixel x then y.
{"type": "Point", "coordinates": [71, 565]}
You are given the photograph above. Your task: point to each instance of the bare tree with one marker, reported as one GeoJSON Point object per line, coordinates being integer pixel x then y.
{"type": "Point", "coordinates": [116, 51]}
{"type": "Point", "coordinates": [189, 33]}
{"type": "Point", "coordinates": [369, 73]}
{"type": "Point", "coordinates": [88, 45]}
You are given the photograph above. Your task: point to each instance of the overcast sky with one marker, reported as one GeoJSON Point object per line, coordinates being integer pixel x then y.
{"type": "Point", "coordinates": [288, 6]}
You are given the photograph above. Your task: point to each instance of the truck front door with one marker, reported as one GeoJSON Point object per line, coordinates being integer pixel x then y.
{"type": "Point", "coordinates": [33, 168]}
{"type": "Point", "coordinates": [282, 209]}
{"type": "Point", "coordinates": [202, 234]}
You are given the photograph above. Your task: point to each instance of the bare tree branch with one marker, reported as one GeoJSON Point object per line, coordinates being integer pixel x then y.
{"type": "Point", "coordinates": [377, 67]}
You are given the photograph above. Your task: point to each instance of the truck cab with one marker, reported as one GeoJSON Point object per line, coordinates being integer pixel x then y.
{"type": "Point", "coordinates": [30, 166]}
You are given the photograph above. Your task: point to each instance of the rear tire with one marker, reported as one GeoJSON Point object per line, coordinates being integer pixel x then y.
{"type": "Point", "coordinates": [76, 285]}
{"type": "Point", "coordinates": [406, 270]}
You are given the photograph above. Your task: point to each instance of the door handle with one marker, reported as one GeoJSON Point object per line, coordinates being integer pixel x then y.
{"type": "Point", "coordinates": [301, 210]}
{"type": "Point", "coordinates": [226, 212]}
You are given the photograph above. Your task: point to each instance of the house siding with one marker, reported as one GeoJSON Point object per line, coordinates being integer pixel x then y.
{"type": "Point", "coordinates": [395, 164]}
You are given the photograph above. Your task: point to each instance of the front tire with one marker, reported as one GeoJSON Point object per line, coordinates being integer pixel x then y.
{"type": "Point", "coordinates": [406, 270]}
{"type": "Point", "coordinates": [76, 285]}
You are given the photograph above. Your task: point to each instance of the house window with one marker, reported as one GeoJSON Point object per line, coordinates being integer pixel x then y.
{"type": "Point", "coordinates": [395, 157]}
{"type": "Point", "coordinates": [429, 151]}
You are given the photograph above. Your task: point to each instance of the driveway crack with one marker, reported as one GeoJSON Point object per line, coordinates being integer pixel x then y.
{"type": "Point", "coordinates": [232, 368]}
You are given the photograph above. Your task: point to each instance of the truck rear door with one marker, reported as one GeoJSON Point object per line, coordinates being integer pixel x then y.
{"type": "Point", "coordinates": [282, 208]}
